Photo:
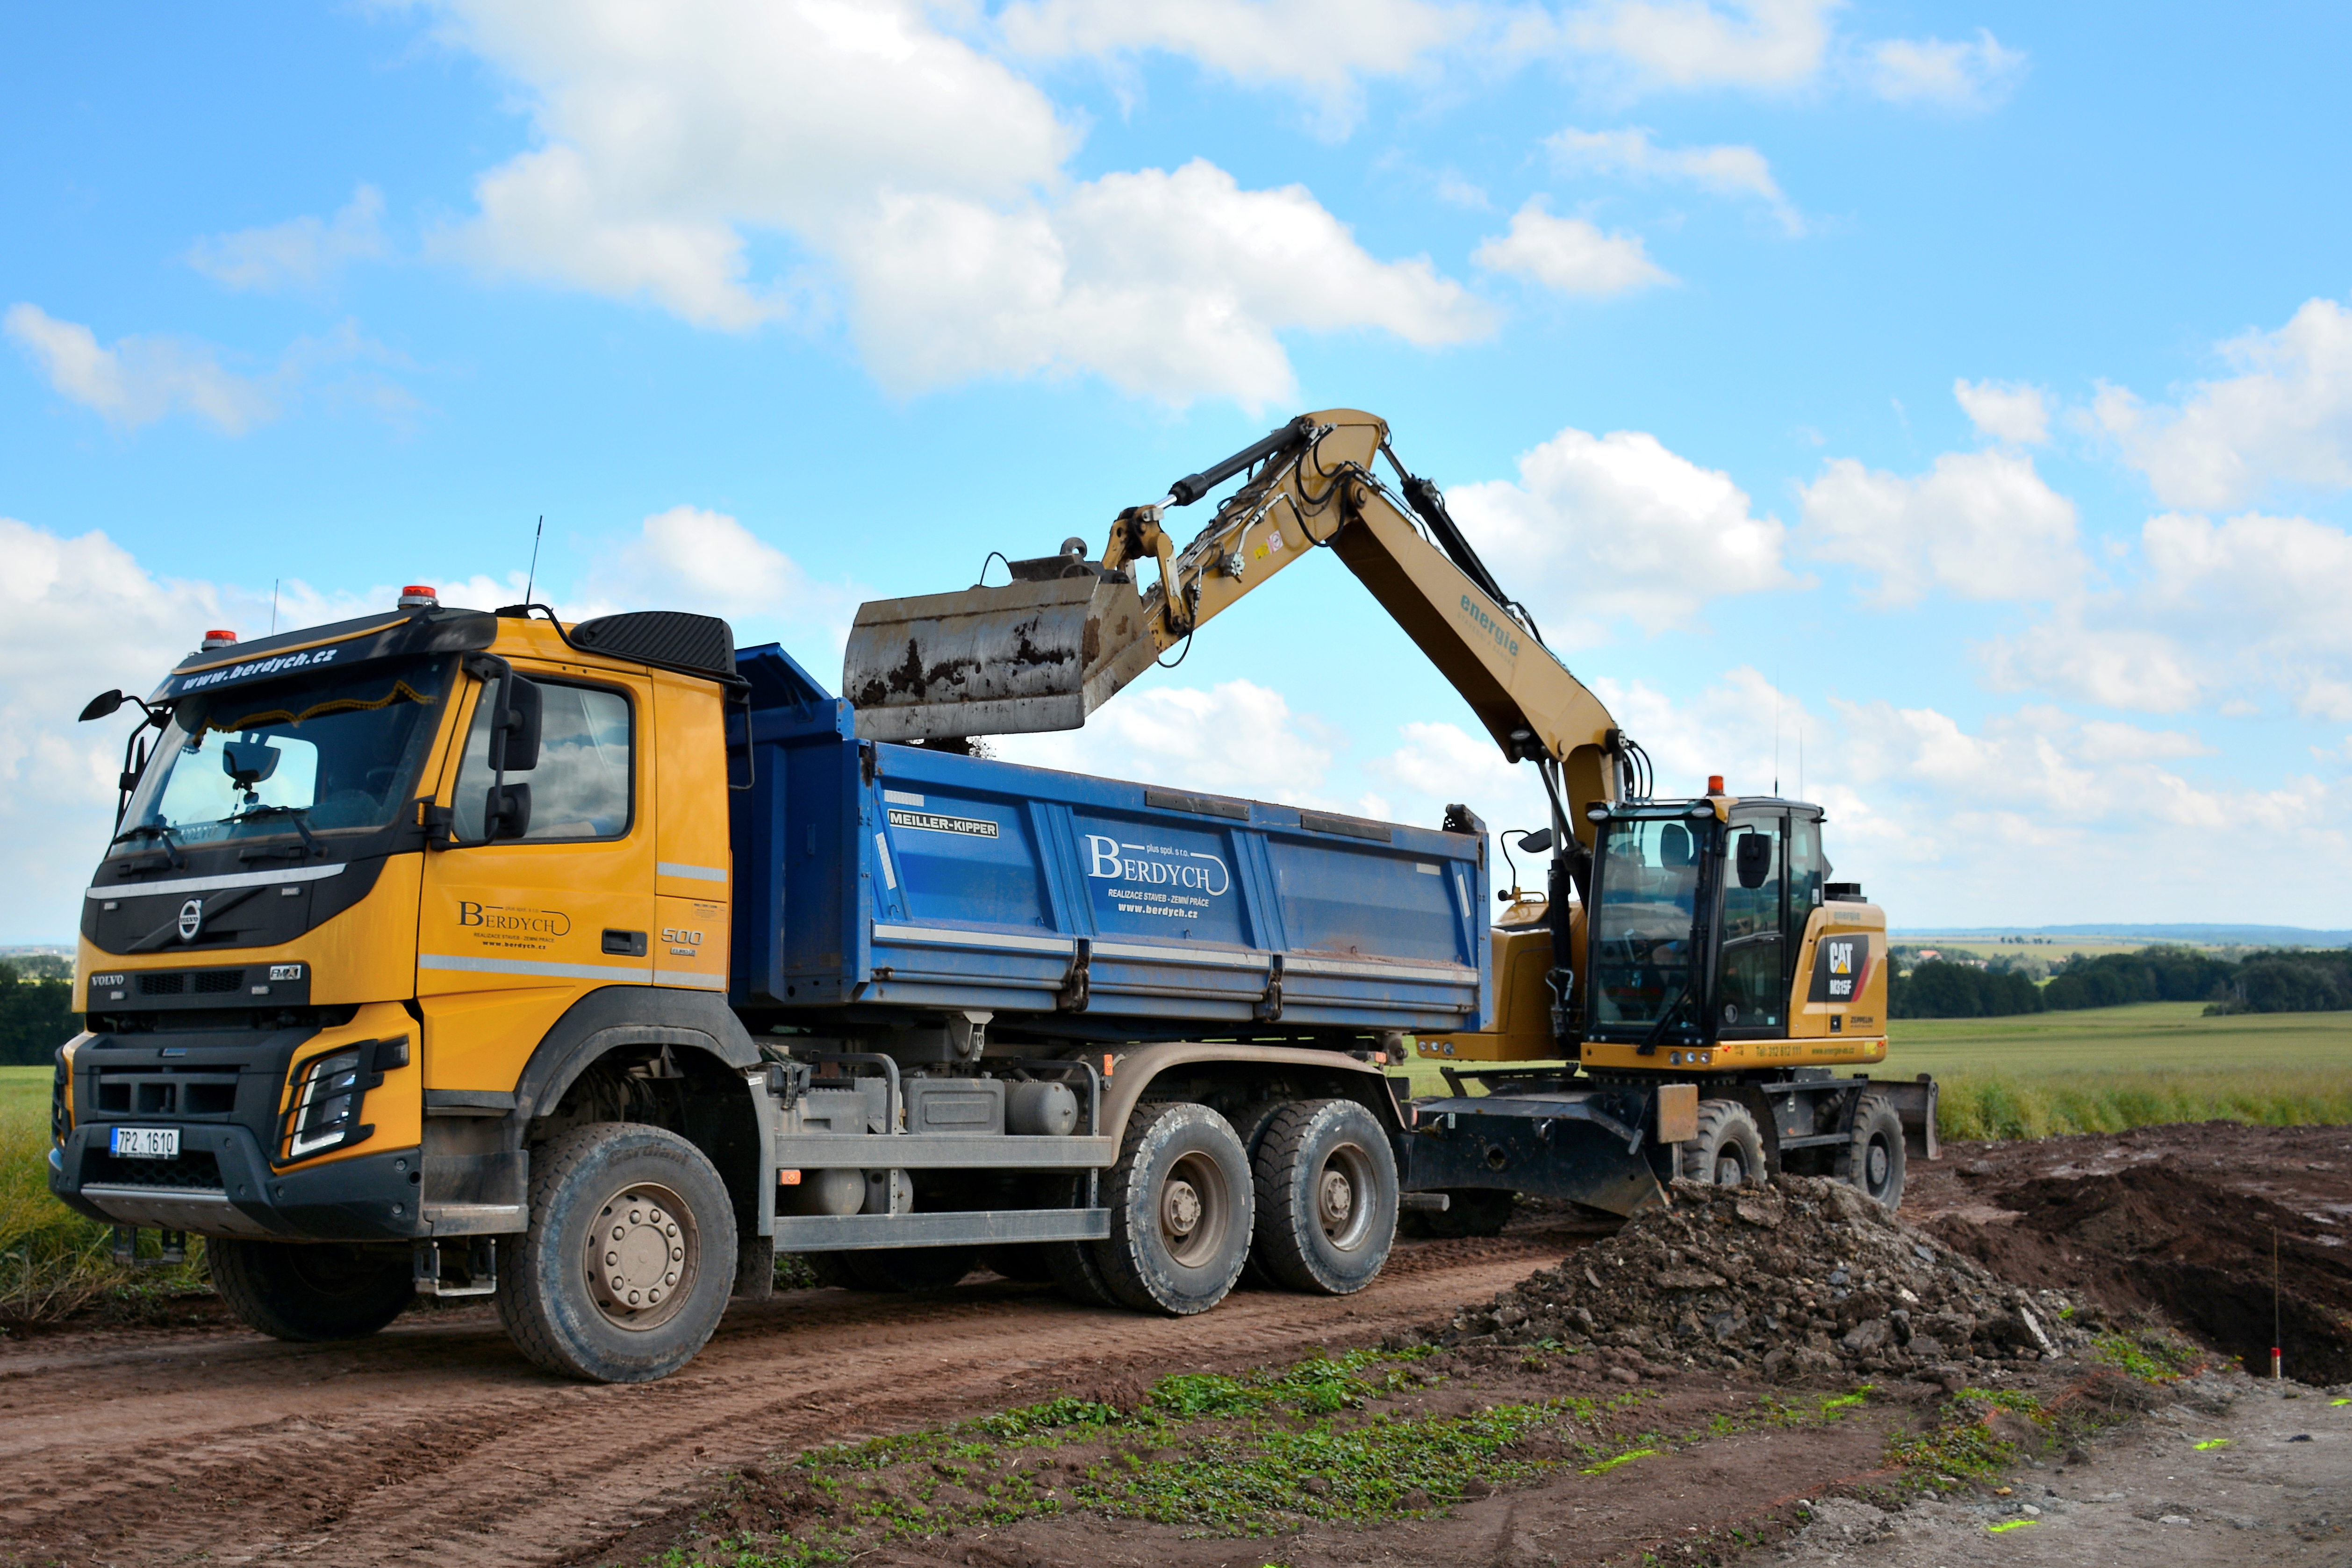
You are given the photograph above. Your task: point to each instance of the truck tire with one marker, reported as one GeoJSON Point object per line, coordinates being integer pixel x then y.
{"type": "Point", "coordinates": [307, 1291]}
{"type": "Point", "coordinates": [630, 1255]}
{"type": "Point", "coordinates": [1022, 1262]}
{"type": "Point", "coordinates": [1182, 1207]}
{"type": "Point", "coordinates": [1250, 1123]}
{"type": "Point", "coordinates": [904, 1270]}
{"type": "Point", "coordinates": [1468, 1211]}
{"type": "Point", "coordinates": [1327, 1197]}
{"type": "Point", "coordinates": [1872, 1164]}
{"type": "Point", "coordinates": [832, 1268]}
{"type": "Point", "coordinates": [1728, 1150]}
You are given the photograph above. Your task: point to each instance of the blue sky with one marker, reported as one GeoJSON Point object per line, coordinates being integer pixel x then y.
{"type": "Point", "coordinates": [1964, 390]}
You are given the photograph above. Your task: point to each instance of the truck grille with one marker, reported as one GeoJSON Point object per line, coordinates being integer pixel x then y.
{"type": "Point", "coordinates": [195, 1169]}
{"type": "Point", "coordinates": [149, 1092]}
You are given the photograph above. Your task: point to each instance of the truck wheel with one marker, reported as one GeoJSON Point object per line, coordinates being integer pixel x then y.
{"type": "Point", "coordinates": [1180, 1210]}
{"type": "Point", "coordinates": [1022, 1262]}
{"type": "Point", "coordinates": [629, 1258]}
{"type": "Point", "coordinates": [905, 1269]}
{"type": "Point", "coordinates": [832, 1268]}
{"type": "Point", "coordinates": [1327, 1197]}
{"type": "Point", "coordinates": [310, 1290]}
{"type": "Point", "coordinates": [1874, 1162]}
{"type": "Point", "coordinates": [1728, 1150]}
{"type": "Point", "coordinates": [1468, 1211]}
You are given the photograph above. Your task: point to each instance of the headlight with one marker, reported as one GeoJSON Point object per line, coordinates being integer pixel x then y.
{"type": "Point", "coordinates": [329, 1092]}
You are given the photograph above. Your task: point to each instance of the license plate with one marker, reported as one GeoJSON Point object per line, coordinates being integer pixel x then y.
{"type": "Point", "coordinates": [146, 1143]}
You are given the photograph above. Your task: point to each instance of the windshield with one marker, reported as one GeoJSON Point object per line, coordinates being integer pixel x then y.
{"type": "Point", "coordinates": [316, 755]}
{"type": "Point", "coordinates": [1647, 889]}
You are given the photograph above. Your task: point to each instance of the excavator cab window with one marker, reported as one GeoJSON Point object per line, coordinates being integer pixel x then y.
{"type": "Point", "coordinates": [1753, 994]}
{"type": "Point", "coordinates": [1646, 897]}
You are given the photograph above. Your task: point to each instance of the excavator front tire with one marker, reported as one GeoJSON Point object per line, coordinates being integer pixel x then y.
{"type": "Point", "coordinates": [1872, 1164]}
{"type": "Point", "coordinates": [1728, 1150]}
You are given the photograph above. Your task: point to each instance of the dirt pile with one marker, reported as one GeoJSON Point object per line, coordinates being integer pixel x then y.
{"type": "Point", "coordinates": [2159, 1236]}
{"type": "Point", "coordinates": [1800, 1277]}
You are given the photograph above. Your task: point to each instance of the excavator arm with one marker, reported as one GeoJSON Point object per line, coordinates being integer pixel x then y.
{"type": "Point", "coordinates": [1047, 649]}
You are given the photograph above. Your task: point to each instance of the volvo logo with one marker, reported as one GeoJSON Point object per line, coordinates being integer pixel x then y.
{"type": "Point", "coordinates": [191, 919]}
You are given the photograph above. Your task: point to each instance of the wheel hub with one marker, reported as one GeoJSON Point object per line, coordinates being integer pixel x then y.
{"type": "Point", "coordinates": [641, 1256]}
{"type": "Point", "coordinates": [1337, 1199]}
{"type": "Point", "coordinates": [1180, 1208]}
{"type": "Point", "coordinates": [1877, 1165]}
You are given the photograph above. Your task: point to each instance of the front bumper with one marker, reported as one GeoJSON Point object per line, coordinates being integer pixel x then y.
{"type": "Point", "coordinates": [221, 1185]}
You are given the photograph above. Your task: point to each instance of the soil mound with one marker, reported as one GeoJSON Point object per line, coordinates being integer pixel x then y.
{"type": "Point", "coordinates": [2158, 1236]}
{"type": "Point", "coordinates": [1799, 1276]}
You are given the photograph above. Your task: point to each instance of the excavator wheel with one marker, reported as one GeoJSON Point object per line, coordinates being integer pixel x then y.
{"type": "Point", "coordinates": [1728, 1150]}
{"type": "Point", "coordinates": [1874, 1162]}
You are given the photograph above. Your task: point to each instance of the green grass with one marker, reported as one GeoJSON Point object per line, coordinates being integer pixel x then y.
{"type": "Point", "coordinates": [1274, 1451]}
{"type": "Point", "coordinates": [2107, 1070]}
{"type": "Point", "coordinates": [52, 1261]}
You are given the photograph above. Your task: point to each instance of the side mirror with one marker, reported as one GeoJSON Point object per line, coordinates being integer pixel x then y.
{"type": "Point", "coordinates": [100, 705]}
{"type": "Point", "coordinates": [507, 815]}
{"type": "Point", "coordinates": [248, 762]}
{"type": "Point", "coordinates": [1755, 860]}
{"type": "Point", "coordinates": [514, 736]}
{"type": "Point", "coordinates": [1535, 843]}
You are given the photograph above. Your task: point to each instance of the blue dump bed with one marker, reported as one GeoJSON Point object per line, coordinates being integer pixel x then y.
{"type": "Point", "coordinates": [880, 876]}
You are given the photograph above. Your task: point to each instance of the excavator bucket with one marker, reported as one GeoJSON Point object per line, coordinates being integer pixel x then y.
{"type": "Point", "coordinates": [1041, 653]}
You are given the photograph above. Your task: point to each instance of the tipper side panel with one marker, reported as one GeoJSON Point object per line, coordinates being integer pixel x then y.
{"type": "Point", "coordinates": [903, 877]}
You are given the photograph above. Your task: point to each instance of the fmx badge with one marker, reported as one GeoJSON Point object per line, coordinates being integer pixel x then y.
{"type": "Point", "coordinates": [933, 822]}
{"type": "Point", "coordinates": [1841, 967]}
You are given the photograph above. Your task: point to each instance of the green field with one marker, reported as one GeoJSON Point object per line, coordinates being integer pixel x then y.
{"type": "Point", "coordinates": [2103, 1070]}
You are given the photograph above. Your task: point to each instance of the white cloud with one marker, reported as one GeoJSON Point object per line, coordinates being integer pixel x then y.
{"type": "Point", "coordinates": [1599, 529]}
{"type": "Point", "coordinates": [2264, 595]}
{"type": "Point", "coordinates": [1322, 46]}
{"type": "Point", "coordinates": [1971, 74]}
{"type": "Point", "coordinates": [1692, 44]}
{"type": "Point", "coordinates": [2286, 420]}
{"type": "Point", "coordinates": [1173, 286]}
{"type": "Point", "coordinates": [924, 177]}
{"type": "Point", "coordinates": [302, 253]}
{"type": "Point", "coordinates": [1236, 738]}
{"type": "Point", "coordinates": [139, 380]}
{"type": "Point", "coordinates": [2028, 817]}
{"type": "Point", "coordinates": [1982, 524]}
{"type": "Point", "coordinates": [2005, 411]}
{"type": "Point", "coordinates": [1569, 255]}
{"type": "Point", "coordinates": [1630, 153]}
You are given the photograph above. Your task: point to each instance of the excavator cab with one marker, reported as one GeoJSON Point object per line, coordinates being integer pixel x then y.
{"type": "Point", "coordinates": [1715, 938]}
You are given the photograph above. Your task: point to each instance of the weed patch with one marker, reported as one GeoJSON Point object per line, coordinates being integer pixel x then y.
{"type": "Point", "coordinates": [1357, 1439]}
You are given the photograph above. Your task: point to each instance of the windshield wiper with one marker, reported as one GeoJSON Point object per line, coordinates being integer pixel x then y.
{"type": "Point", "coordinates": [311, 845]}
{"type": "Point", "coordinates": [171, 856]}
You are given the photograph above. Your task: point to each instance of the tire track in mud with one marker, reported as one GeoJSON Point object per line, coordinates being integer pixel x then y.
{"type": "Point", "coordinates": [436, 1437]}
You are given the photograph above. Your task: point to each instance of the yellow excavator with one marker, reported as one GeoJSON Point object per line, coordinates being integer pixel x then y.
{"type": "Point", "coordinates": [1695, 948]}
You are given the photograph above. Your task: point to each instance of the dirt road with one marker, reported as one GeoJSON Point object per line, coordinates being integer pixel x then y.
{"type": "Point", "coordinates": [436, 1438]}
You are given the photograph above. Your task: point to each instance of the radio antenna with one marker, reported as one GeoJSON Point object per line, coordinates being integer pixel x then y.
{"type": "Point", "coordinates": [273, 606]}
{"type": "Point", "coordinates": [533, 576]}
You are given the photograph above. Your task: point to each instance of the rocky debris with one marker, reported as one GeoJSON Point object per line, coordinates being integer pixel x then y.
{"type": "Point", "coordinates": [1800, 1277]}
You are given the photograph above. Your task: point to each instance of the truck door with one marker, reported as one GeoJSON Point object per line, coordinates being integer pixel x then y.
{"type": "Point", "coordinates": [511, 932]}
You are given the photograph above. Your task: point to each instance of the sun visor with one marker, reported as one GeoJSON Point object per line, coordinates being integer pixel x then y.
{"type": "Point", "coordinates": [337, 646]}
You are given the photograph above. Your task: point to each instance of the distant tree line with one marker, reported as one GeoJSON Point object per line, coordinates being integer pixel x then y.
{"type": "Point", "coordinates": [2264, 982]}
{"type": "Point", "coordinates": [37, 1017]}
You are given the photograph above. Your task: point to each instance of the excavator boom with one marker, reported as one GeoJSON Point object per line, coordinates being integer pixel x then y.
{"type": "Point", "coordinates": [1046, 650]}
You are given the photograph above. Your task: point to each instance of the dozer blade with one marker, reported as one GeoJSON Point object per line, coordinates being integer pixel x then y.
{"type": "Point", "coordinates": [1031, 656]}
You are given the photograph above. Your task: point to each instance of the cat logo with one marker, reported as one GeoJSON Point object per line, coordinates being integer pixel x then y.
{"type": "Point", "coordinates": [1840, 968]}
